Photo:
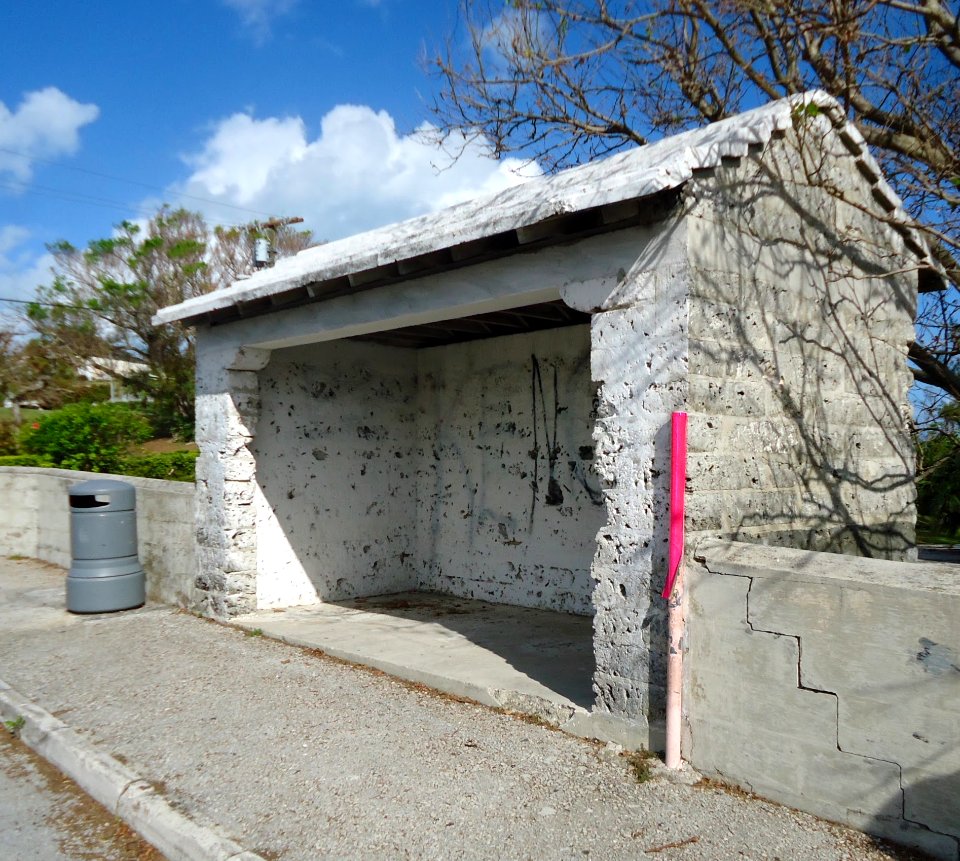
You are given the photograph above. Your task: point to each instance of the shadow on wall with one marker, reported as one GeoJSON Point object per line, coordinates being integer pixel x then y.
{"type": "Point", "coordinates": [845, 694]}
{"type": "Point", "coordinates": [805, 297]}
{"type": "Point", "coordinates": [936, 803]}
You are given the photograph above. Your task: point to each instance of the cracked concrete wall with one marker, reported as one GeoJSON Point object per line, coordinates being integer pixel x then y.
{"type": "Point", "coordinates": [802, 306]}
{"type": "Point", "coordinates": [508, 502]}
{"type": "Point", "coordinates": [334, 450]}
{"type": "Point", "coordinates": [829, 683]}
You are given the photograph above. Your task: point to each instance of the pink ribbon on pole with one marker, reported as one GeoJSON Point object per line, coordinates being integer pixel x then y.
{"type": "Point", "coordinates": [678, 483]}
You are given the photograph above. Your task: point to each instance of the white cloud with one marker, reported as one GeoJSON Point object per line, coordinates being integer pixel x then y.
{"type": "Point", "coordinates": [44, 125]}
{"type": "Point", "coordinates": [358, 173]}
{"type": "Point", "coordinates": [257, 15]}
{"type": "Point", "coordinates": [21, 270]}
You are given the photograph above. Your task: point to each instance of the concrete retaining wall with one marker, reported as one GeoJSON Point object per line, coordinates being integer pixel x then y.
{"type": "Point", "coordinates": [35, 522]}
{"type": "Point", "coordinates": [831, 684]}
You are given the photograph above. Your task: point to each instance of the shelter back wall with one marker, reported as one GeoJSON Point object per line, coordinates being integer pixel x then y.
{"type": "Point", "coordinates": [509, 506]}
{"type": "Point", "coordinates": [464, 469]}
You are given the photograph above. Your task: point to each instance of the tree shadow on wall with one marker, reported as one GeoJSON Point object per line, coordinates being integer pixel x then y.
{"type": "Point", "coordinates": [934, 802]}
{"type": "Point", "coordinates": [808, 307]}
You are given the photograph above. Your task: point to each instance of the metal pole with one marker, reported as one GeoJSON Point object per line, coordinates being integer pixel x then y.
{"type": "Point", "coordinates": [673, 588]}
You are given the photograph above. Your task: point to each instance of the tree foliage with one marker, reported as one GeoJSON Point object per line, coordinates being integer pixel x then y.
{"type": "Point", "coordinates": [566, 81]}
{"type": "Point", "coordinates": [99, 307]}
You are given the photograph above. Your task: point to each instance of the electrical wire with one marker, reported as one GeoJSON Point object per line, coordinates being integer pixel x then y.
{"type": "Point", "coordinates": [135, 182]}
{"type": "Point", "coordinates": [92, 200]}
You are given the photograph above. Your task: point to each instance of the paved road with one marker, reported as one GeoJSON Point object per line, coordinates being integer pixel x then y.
{"type": "Point", "coordinates": [45, 817]}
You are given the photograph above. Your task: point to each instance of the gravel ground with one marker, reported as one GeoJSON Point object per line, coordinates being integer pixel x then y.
{"type": "Point", "coordinates": [297, 756]}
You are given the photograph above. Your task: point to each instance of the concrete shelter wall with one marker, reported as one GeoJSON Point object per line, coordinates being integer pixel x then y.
{"type": "Point", "coordinates": [638, 357]}
{"type": "Point", "coordinates": [336, 473]}
{"type": "Point", "coordinates": [508, 504]}
{"type": "Point", "coordinates": [801, 309]}
{"type": "Point", "coordinates": [829, 683]}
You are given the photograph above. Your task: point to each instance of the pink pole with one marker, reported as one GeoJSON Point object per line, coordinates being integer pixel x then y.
{"type": "Point", "coordinates": [673, 587]}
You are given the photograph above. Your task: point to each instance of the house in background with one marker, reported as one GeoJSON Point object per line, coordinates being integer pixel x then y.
{"type": "Point", "coordinates": [114, 372]}
{"type": "Point", "coordinates": [478, 401]}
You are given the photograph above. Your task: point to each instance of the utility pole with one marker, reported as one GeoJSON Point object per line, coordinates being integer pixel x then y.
{"type": "Point", "coordinates": [264, 247]}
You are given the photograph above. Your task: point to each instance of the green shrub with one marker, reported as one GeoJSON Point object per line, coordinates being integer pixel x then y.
{"type": "Point", "coordinates": [92, 437]}
{"type": "Point", "coordinates": [8, 437]}
{"type": "Point", "coordinates": [172, 466]}
{"type": "Point", "coordinates": [25, 460]}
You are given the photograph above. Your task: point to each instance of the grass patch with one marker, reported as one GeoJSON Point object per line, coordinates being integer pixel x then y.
{"type": "Point", "coordinates": [26, 414]}
{"type": "Point", "coordinates": [14, 726]}
{"type": "Point", "coordinates": [641, 763]}
{"type": "Point", "coordinates": [932, 535]}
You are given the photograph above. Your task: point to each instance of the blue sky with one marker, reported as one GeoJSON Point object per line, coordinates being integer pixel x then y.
{"type": "Point", "coordinates": [237, 108]}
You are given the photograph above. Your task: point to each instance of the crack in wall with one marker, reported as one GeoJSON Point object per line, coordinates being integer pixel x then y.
{"type": "Point", "coordinates": [834, 694]}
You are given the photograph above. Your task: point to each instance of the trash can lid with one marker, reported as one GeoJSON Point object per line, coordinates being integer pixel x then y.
{"type": "Point", "coordinates": [103, 494]}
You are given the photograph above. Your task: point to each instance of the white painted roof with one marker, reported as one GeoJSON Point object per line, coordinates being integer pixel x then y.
{"type": "Point", "coordinates": [634, 174]}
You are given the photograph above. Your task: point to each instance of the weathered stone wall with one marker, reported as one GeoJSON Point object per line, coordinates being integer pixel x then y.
{"type": "Point", "coordinates": [639, 361]}
{"type": "Point", "coordinates": [508, 505]}
{"type": "Point", "coordinates": [227, 410]}
{"type": "Point", "coordinates": [829, 683]}
{"type": "Point", "coordinates": [35, 522]}
{"type": "Point", "coordinates": [336, 471]}
{"type": "Point", "coordinates": [801, 310]}
{"type": "Point", "coordinates": [464, 469]}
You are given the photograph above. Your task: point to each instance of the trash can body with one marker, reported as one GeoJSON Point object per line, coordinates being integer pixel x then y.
{"type": "Point", "coordinates": [105, 572]}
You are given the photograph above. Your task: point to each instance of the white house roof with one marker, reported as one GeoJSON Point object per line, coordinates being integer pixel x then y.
{"type": "Point", "coordinates": [103, 370]}
{"type": "Point", "coordinates": [443, 239]}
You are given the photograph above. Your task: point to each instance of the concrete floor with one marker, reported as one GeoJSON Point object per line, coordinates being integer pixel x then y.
{"type": "Point", "coordinates": [529, 661]}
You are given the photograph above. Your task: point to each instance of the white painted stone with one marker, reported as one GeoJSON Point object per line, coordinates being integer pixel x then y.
{"type": "Point", "coordinates": [509, 501]}
{"type": "Point", "coordinates": [631, 175]}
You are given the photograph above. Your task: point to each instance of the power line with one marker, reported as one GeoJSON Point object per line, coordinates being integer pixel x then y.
{"type": "Point", "coordinates": [45, 304]}
{"type": "Point", "coordinates": [145, 185]}
{"type": "Point", "coordinates": [76, 197]}
{"type": "Point", "coordinates": [91, 200]}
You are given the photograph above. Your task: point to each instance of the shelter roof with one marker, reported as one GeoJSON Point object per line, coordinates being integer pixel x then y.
{"type": "Point", "coordinates": [600, 196]}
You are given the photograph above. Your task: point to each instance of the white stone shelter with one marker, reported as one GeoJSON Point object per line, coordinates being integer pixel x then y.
{"type": "Point", "coordinates": [477, 401]}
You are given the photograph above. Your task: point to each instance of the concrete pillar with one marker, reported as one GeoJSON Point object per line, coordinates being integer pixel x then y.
{"type": "Point", "coordinates": [228, 407]}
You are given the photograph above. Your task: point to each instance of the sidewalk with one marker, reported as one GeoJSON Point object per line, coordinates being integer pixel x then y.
{"type": "Point", "coordinates": [288, 754]}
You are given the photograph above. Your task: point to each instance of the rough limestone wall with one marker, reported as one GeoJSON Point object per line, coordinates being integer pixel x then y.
{"type": "Point", "coordinates": [337, 478]}
{"type": "Point", "coordinates": [799, 326]}
{"type": "Point", "coordinates": [508, 503]}
{"type": "Point", "coordinates": [639, 360]}
{"type": "Point", "coordinates": [829, 683]}
{"type": "Point", "coordinates": [227, 409]}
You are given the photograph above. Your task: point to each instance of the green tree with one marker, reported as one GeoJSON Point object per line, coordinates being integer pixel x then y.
{"type": "Point", "coordinates": [98, 309]}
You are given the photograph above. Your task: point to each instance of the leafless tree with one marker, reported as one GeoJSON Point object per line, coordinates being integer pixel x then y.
{"type": "Point", "coordinates": [565, 81]}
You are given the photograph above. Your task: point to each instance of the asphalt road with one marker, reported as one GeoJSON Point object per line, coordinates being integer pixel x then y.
{"type": "Point", "coordinates": [44, 816]}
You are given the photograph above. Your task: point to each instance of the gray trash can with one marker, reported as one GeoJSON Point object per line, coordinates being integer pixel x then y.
{"type": "Point", "coordinates": [105, 572]}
